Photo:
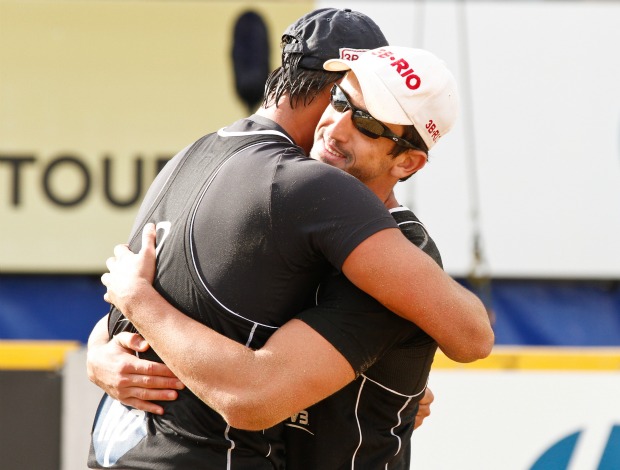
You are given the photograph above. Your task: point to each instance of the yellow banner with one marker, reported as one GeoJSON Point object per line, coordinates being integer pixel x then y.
{"type": "Point", "coordinates": [94, 97]}
{"type": "Point", "coordinates": [540, 358]}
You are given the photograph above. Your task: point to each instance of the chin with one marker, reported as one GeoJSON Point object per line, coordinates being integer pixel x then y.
{"type": "Point", "coordinates": [338, 163]}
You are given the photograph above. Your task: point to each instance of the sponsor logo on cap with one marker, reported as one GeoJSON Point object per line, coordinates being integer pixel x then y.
{"type": "Point", "coordinates": [351, 54]}
{"type": "Point", "coordinates": [431, 128]}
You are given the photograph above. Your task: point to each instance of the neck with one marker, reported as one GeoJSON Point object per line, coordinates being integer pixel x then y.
{"type": "Point", "coordinates": [390, 201]}
{"type": "Point", "coordinates": [384, 190]}
{"type": "Point", "coordinates": [298, 122]}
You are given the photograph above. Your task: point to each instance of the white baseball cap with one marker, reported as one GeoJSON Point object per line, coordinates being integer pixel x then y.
{"type": "Point", "coordinates": [406, 86]}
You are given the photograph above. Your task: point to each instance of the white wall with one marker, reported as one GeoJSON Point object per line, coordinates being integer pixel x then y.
{"type": "Point", "coordinates": [489, 420]}
{"type": "Point", "coordinates": [542, 102]}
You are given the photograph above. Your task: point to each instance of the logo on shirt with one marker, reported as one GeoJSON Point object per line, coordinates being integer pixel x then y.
{"type": "Point", "coordinates": [300, 420]}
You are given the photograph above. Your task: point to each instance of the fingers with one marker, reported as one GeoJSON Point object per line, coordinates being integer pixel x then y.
{"type": "Point", "coordinates": [142, 398]}
{"type": "Point", "coordinates": [428, 397]}
{"type": "Point", "coordinates": [145, 373]}
{"type": "Point", "coordinates": [132, 341]}
{"type": "Point", "coordinates": [115, 368]}
{"type": "Point", "coordinates": [157, 375]}
{"type": "Point", "coordinates": [105, 280]}
{"type": "Point", "coordinates": [143, 405]}
{"type": "Point", "coordinates": [156, 384]}
{"type": "Point", "coordinates": [157, 370]}
{"type": "Point", "coordinates": [110, 262]}
{"type": "Point", "coordinates": [119, 251]}
{"type": "Point", "coordinates": [424, 412]}
{"type": "Point", "coordinates": [424, 408]}
{"type": "Point", "coordinates": [140, 391]}
{"type": "Point", "coordinates": [149, 394]}
{"type": "Point", "coordinates": [149, 235]}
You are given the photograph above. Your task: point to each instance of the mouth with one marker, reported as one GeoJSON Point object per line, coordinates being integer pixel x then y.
{"type": "Point", "coordinates": [330, 154]}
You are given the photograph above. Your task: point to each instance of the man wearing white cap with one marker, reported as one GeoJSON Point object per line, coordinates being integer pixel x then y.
{"type": "Point", "coordinates": [408, 98]}
{"type": "Point", "coordinates": [297, 368]}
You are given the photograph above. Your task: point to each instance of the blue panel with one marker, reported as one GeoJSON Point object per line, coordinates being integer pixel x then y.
{"type": "Point", "coordinates": [527, 312]}
{"type": "Point", "coordinates": [554, 313]}
{"type": "Point", "coordinates": [50, 307]}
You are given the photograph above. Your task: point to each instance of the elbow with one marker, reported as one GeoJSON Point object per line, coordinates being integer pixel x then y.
{"type": "Point", "coordinates": [250, 415]}
{"type": "Point", "coordinates": [490, 342]}
{"type": "Point", "coordinates": [250, 406]}
{"type": "Point", "coordinates": [484, 346]}
{"type": "Point", "coordinates": [479, 346]}
{"type": "Point", "coordinates": [480, 340]}
{"type": "Point", "coordinates": [486, 338]}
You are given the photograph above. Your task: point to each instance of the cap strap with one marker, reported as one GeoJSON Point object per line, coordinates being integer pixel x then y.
{"type": "Point", "coordinates": [294, 47]}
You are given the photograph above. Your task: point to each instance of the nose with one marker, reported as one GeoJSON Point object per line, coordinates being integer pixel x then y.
{"type": "Point", "coordinates": [341, 125]}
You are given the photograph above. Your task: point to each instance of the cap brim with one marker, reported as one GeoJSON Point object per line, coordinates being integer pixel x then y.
{"type": "Point", "coordinates": [337, 65]}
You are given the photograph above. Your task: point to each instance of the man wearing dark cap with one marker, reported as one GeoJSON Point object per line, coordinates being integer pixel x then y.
{"type": "Point", "coordinates": [244, 265]}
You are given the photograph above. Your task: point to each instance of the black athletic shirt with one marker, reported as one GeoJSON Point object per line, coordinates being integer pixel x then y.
{"type": "Point", "coordinates": [368, 424]}
{"type": "Point", "coordinates": [247, 227]}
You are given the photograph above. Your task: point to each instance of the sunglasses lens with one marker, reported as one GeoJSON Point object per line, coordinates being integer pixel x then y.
{"type": "Point", "coordinates": [363, 121]}
{"type": "Point", "coordinates": [368, 125]}
{"type": "Point", "coordinates": [339, 100]}
{"type": "Point", "coordinates": [340, 106]}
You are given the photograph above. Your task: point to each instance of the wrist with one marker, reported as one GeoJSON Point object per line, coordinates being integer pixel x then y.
{"type": "Point", "coordinates": [140, 295]}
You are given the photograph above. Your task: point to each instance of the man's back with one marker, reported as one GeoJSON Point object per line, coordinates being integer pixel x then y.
{"type": "Point", "coordinates": [242, 264]}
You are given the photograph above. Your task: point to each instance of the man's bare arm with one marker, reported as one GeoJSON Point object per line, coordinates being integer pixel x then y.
{"type": "Point", "coordinates": [267, 385]}
{"type": "Point", "coordinates": [409, 283]}
{"type": "Point", "coordinates": [251, 389]}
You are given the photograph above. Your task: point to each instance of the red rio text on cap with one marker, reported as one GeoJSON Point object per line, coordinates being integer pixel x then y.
{"type": "Point", "coordinates": [412, 80]}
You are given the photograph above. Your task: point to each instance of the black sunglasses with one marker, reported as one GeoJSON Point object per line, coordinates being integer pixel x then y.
{"type": "Point", "coordinates": [362, 120]}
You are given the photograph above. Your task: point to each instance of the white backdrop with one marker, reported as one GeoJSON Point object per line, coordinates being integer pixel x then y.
{"type": "Point", "coordinates": [540, 89]}
{"type": "Point", "coordinates": [490, 420]}
{"type": "Point", "coordinates": [481, 419]}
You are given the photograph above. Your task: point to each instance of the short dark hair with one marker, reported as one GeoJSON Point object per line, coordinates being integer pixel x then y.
{"type": "Point", "coordinates": [412, 136]}
{"type": "Point", "coordinates": [300, 84]}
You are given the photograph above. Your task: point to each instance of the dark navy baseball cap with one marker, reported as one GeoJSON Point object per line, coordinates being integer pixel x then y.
{"type": "Point", "coordinates": [331, 33]}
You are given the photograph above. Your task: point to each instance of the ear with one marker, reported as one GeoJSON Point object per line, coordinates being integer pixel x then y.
{"type": "Point", "coordinates": [407, 163]}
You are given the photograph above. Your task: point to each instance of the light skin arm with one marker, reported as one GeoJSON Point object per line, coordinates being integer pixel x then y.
{"type": "Point", "coordinates": [409, 283]}
{"type": "Point", "coordinates": [252, 397]}
{"type": "Point", "coordinates": [112, 365]}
